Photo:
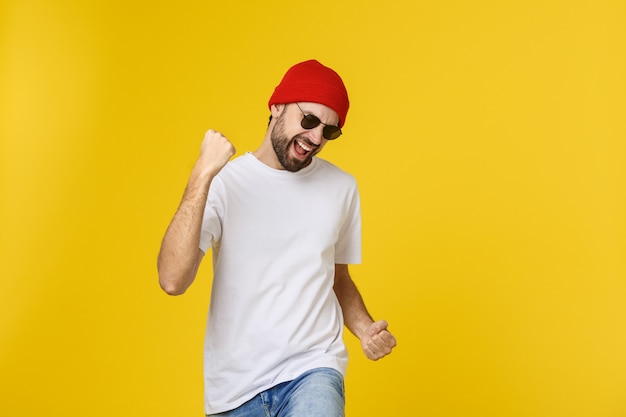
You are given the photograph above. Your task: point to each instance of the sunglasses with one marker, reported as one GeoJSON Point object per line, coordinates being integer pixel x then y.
{"type": "Point", "coordinates": [310, 121]}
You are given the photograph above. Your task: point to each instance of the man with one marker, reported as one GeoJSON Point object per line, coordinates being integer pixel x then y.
{"type": "Point", "coordinates": [283, 225]}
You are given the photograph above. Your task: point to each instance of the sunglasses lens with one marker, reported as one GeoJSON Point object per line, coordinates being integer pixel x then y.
{"type": "Point", "coordinates": [310, 122]}
{"type": "Point", "coordinates": [331, 132]}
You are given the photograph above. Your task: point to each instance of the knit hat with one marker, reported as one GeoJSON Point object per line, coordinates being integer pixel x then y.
{"type": "Point", "coordinates": [313, 82]}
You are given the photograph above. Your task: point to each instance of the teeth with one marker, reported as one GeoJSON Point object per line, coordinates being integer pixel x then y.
{"type": "Point", "coordinates": [303, 146]}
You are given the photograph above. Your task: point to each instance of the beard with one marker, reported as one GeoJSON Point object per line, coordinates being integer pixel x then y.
{"type": "Point", "coordinates": [282, 144]}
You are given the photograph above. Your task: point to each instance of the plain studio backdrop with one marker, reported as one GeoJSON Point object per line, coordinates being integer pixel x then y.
{"type": "Point", "coordinates": [488, 139]}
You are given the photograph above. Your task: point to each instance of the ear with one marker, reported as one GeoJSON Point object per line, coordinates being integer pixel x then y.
{"type": "Point", "coordinates": [277, 109]}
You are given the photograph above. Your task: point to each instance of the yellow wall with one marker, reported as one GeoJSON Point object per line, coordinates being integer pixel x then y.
{"type": "Point", "coordinates": [488, 138]}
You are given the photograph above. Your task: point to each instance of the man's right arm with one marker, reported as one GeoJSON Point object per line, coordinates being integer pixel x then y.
{"type": "Point", "coordinates": [180, 256]}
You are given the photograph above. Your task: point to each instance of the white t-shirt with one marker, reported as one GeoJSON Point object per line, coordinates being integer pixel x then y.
{"type": "Point", "coordinates": [276, 237]}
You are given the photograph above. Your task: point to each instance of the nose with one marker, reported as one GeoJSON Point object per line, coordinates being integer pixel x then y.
{"type": "Point", "coordinates": [315, 135]}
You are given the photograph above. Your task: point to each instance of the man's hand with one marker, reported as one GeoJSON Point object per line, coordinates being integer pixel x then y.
{"type": "Point", "coordinates": [377, 342]}
{"type": "Point", "coordinates": [215, 151]}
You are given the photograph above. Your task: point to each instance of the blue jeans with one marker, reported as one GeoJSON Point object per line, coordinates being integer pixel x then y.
{"type": "Point", "coordinates": [316, 393]}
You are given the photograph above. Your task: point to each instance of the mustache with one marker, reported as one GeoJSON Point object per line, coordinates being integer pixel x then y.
{"type": "Point", "coordinates": [306, 141]}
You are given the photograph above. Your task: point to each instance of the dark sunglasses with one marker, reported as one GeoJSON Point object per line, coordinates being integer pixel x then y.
{"type": "Point", "coordinates": [310, 121]}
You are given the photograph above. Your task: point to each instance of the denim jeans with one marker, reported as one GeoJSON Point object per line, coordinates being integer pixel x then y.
{"type": "Point", "coordinates": [316, 393]}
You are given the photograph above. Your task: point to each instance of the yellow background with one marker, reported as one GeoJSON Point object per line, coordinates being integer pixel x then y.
{"type": "Point", "coordinates": [488, 139]}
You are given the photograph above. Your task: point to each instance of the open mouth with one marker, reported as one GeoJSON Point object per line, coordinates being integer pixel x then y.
{"type": "Point", "coordinates": [302, 149]}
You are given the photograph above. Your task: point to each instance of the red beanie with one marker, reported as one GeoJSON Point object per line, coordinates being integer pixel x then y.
{"type": "Point", "coordinates": [311, 81]}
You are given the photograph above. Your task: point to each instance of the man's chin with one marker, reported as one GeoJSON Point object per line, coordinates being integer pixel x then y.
{"type": "Point", "coordinates": [295, 165]}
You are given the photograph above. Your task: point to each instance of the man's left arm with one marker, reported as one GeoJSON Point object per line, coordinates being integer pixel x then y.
{"type": "Point", "coordinates": [376, 341]}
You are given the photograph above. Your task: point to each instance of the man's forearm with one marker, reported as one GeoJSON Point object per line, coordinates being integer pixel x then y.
{"type": "Point", "coordinates": [179, 256]}
{"type": "Point", "coordinates": [355, 315]}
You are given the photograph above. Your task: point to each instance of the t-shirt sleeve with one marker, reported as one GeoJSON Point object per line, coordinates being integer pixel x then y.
{"type": "Point", "coordinates": [211, 225]}
{"type": "Point", "coordinates": [348, 247]}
